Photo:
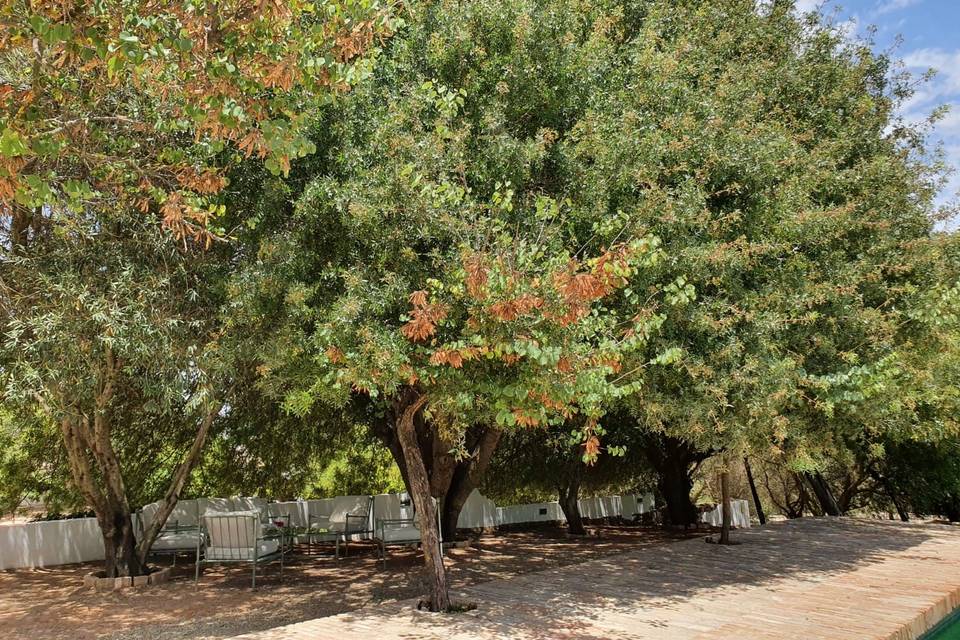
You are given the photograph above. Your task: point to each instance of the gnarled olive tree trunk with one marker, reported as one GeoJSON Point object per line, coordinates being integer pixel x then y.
{"type": "Point", "coordinates": [97, 473]}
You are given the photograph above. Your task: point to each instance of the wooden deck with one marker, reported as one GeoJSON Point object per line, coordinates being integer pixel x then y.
{"type": "Point", "coordinates": [829, 579]}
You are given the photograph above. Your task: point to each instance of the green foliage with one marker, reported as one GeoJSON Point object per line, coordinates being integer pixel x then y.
{"type": "Point", "coordinates": [360, 468]}
{"type": "Point", "coordinates": [438, 248]}
{"type": "Point", "coordinates": [118, 104]}
{"type": "Point", "coordinates": [760, 149]}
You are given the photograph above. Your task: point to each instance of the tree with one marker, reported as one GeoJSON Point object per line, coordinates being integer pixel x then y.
{"type": "Point", "coordinates": [765, 151]}
{"type": "Point", "coordinates": [544, 464]}
{"type": "Point", "coordinates": [758, 505]}
{"type": "Point", "coordinates": [110, 335]}
{"type": "Point", "coordinates": [435, 280]}
{"type": "Point", "coordinates": [108, 111]}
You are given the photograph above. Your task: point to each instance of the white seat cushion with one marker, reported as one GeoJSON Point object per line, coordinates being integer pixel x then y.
{"type": "Point", "coordinates": [176, 540]}
{"type": "Point", "coordinates": [398, 533]}
{"type": "Point", "coordinates": [266, 548]}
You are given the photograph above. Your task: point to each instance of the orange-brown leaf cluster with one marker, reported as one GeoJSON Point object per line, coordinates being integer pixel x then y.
{"type": "Point", "coordinates": [208, 181]}
{"type": "Point", "coordinates": [476, 277]}
{"type": "Point", "coordinates": [524, 419]}
{"type": "Point", "coordinates": [451, 357]}
{"type": "Point", "coordinates": [554, 405]}
{"type": "Point", "coordinates": [424, 317]}
{"type": "Point", "coordinates": [508, 310]}
{"type": "Point", "coordinates": [592, 446]}
{"type": "Point", "coordinates": [184, 220]}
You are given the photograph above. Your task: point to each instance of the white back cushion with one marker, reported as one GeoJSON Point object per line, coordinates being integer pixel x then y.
{"type": "Point", "coordinates": [353, 505]}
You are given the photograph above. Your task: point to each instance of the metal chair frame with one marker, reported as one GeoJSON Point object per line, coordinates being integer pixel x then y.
{"type": "Point", "coordinates": [175, 527]}
{"type": "Point", "coordinates": [382, 544]}
{"type": "Point", "coordinates": [254, 523]}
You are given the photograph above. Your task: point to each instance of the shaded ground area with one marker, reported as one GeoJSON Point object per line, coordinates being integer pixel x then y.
{"type": "Point", "coordinates": [813, 578]}
{"type": "Point", "coordinates": [51, 603]}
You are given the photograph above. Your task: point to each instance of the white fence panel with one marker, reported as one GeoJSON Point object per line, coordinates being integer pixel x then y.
{"type": "Point", "coordinates": [478, 512]}
{"type": "Point", "coordinates": [45, 544]}
{"type": "Point", "coordinates": [740, 512]}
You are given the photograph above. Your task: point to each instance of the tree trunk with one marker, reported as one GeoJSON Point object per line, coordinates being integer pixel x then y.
{"type": "Point", "coordinates": [419, 484]}
{"type": "Point", "coordinates": [466, 477]}
{"type": "Point", "coordinates": [725, 509]}
{"type": "Point", "coordinates": [823, 493]}
{"type": "Point", "coordinates": [119, 546]}
{"type": "Point", "coordinates": [569, 497]}
{"type": "Point", "coordinates": [177, 482]}
{"type": "Point", "coordinates": [753, 490]}
{"type": "Point", "coordinates": [951, 508]}
{"type": "Point", "coordinates": [451, 480]}
{"type": "Point", "coordinates": [802, 498]}
{"type": "Point", "coordinates": [675, 485]}
{"type": "Point", "coordinates": [672, 459]}
{"type": "Point", "coordinates": [884, 482]}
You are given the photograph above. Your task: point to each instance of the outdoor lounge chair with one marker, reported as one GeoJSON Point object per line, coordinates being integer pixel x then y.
{"type": "Point", "coordinates": [395, 532]}
{"type": "Point", "coordinates": [400, 532]}
{"type": "Point", "coordinates": [241, 537]}
{"type": "Point", "coordinates": [180, 533]}
{"type": "Point", "coordinates": [348, 520]}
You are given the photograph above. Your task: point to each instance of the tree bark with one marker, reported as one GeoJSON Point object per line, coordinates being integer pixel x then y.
{"type": "Point", "coordinates": [112, 511]}
{"type": "Point", "coordinates": [570, 505]}
{"type": "Point", "coordinates": [119, 545]}
{"type": "Point", "coordinates": [89, 447]}
{"type": "Point", "coordinates": [419, 484]}
{"type": "Point", "coordinates": [753, 490]}
{"type": "Point", "coordinates": [466, 477]}
{"type": "Point", "coordinates": [884, 482]}
{"type": "Point", "coordinates": [828, 503]}
{"type": "Point", "coordinates": [725, 509]}
{"type": "Point", "coordinates": [451, 480]}
{"type": "Point", "coordinates": [672, 458]}
{"type": "Point", "coordinates": [802, 497]}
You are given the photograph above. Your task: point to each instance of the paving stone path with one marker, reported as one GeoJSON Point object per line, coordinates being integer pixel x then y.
{"type": "Point", "coordinates": [807, 579]}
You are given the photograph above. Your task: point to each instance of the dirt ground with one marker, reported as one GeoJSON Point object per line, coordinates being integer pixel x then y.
{"type": "Point", "coordinates": [52, 603]}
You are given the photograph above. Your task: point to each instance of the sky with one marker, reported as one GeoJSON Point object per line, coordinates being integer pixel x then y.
{"type": "Point", "coordinates": [925, 34]}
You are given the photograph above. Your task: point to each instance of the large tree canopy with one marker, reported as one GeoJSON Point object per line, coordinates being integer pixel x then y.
{"type": "Point", "coordinates": [766, 154]}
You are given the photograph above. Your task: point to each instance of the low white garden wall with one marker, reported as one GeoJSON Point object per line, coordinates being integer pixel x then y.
{"type": "Point", "coordinates": [739, 511]}
{"type": "Point", "coordinates": [44, 544]}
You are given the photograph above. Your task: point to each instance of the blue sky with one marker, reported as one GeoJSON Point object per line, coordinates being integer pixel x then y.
{"type": "Point", "coordinates": [927, 31]}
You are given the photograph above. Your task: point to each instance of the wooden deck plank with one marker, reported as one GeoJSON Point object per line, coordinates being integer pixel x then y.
{"type": "Point", "coordinates": [814, 578]}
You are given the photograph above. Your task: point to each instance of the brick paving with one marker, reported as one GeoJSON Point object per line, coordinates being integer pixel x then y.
{"type": "Point", "coordinates": [808, 579]}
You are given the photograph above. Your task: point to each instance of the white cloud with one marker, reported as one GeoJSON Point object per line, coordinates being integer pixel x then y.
{"type": "Point", "coordinates": [942, 89]}
{"type": "Point", "coordinates": [805, 6]}
{"type": "Point", "coordinates": [894, 5]}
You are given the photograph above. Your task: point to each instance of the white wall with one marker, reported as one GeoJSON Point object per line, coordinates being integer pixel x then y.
{"type": "Point", "coordinates": [537, 512]}
{"type": "Point", "coordinates": [739, 510]}
{"type": "Point", "coordinates": [44, 544]}
{"type": "Point", "coordinates": [478, 512]}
